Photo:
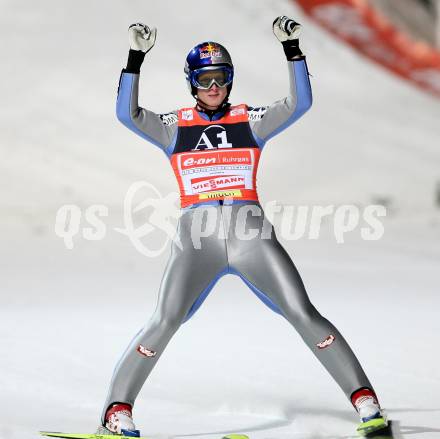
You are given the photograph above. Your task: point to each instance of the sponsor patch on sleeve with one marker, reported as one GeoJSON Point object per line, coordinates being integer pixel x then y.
{"type": "Point", "coordinates": [169, 118]}
{"type": "Point", "coordinates": [256, 113]}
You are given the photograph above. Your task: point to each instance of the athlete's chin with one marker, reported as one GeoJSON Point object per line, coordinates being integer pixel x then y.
{"type": "Point", "coordinates": [214, 102]}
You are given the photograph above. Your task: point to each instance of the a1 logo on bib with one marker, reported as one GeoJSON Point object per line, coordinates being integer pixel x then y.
{"type": "Point", "coordinates": [213, 137]}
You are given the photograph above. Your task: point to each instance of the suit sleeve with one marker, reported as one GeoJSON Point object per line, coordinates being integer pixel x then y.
{"type": "Point", "coordinates": [267, 122]}
{"type": "Point", "coordinates": [159, 129]}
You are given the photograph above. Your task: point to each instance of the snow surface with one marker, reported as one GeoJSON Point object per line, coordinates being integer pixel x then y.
{"type": "Point", "coordinates": [67, 315]}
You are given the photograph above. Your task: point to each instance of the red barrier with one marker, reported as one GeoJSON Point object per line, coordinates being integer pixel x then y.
{"type": "Point", "coordinates": [358, 24]}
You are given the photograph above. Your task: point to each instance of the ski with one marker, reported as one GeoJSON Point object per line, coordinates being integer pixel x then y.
{"type": "Point", "coordinates": [86, 436]}
{"type": "Point", "coordinates": [112, 436]}
{"type": "Point", "coordinates": [370, 427]}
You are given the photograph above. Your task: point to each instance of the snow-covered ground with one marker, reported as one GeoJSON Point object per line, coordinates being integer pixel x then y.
{"type": "Point", "coordinates": [67, 315]}
{"type": "Point", "coordinates": [236, 366]}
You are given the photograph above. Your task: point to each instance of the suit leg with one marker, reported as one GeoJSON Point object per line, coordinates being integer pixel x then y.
{"type": "Point", "coordinates": [190, 273]}
{"type": "Point", "coordinates": [267, 267]}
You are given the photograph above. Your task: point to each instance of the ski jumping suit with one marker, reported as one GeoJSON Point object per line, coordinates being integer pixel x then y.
{"type": "Point", "coordinates": [216, 160]}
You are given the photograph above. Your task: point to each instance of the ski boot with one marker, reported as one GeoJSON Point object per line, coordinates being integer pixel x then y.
{"type": "Point", "coordinates": [372, 417]}
{"type": "Point", "coordinates": [119, 422]}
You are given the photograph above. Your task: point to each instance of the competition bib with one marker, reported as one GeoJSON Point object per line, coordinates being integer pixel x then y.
{"type": "Point", "coordinates": [214, 160]}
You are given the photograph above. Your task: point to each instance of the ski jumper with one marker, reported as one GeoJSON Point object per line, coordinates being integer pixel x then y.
{"type": "Point", "coordinates": [215, 160]}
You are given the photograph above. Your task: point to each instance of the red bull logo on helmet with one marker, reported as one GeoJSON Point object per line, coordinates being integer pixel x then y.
{"type": "Point", "coordinates": [210, 51]}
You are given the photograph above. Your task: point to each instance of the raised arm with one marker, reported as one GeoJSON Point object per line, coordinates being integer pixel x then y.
{"type": "Point", "coordinates": [268, 121]}
{"type": "Point", "coordinates": [159, 129]}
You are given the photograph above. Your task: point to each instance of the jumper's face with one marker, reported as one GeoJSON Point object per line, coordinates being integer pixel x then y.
{"type": "Point", "coordinates": [213, 97]}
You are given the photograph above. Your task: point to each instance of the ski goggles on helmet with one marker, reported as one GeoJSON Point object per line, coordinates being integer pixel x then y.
{"type": "Point", "coordinates": [206, 77]}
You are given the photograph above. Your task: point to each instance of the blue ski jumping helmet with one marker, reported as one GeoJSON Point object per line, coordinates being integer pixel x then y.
{"type": "Point", "coordinates": [208, 56]}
